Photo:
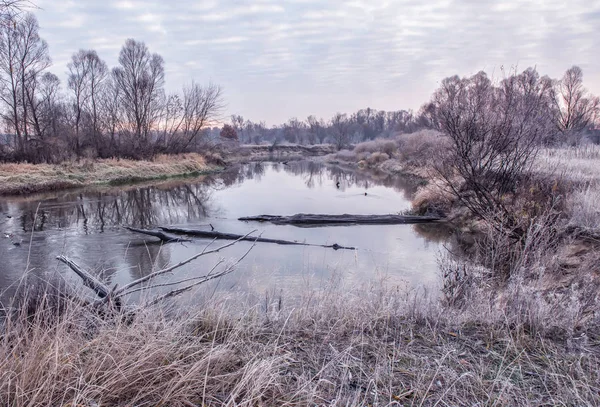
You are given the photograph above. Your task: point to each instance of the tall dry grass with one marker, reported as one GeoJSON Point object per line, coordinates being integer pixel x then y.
{"type": "Point", "coordinates": [23, 178]}
{"type": "Point", "coordinates": [336, 346]}
{"type": "Point", "coordinates": [579, 167]}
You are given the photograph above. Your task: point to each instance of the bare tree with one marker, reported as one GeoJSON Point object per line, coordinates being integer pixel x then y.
{"type": "Point", "coordinates": [340, 126]}
{"type": "Point", "coordinates": [314, 129]}
{"type": "Point", "coordinates": [201, 106]}
{"type": "Point", "coordinates": [171, 121]}
{"type": "Point", "coordinates": [97, 74]}
{"type": "Point", "coordinates": [237, 122]}
{"type": "Point", "coordinates": [292, 130]}
{"type": "Point", "coordinates": [111, 115]}
{"type": "Point", "coordinates": [49, 105]}
{"type": "Point", "coordinates": [140, 78]}
{"type": "Point", "coordinates": [261, 132]}
{"type": "Point", "coordinates": [576, 109]}
{"type": "Point", "coordinates": [11, 9]}
{"type": "Point", "coordinates": [23, 56]}
{"type": "Point", "coordinates": [77, 83]}
{"type": "Point", "coordinates": [495, 132]}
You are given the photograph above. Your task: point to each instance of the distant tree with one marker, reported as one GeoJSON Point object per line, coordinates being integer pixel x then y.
{"type": "Point", "coordinates": [201, 106]}
{"type": "Point", "coordinates": [237, 122]}
{"type": "Point", "coordinates": [576, 109]}
{"type": "Point", "coordinates": [313, 129]}
{"type": "Point", "coordinates": [292, 130]}
{"type": "Point", "coordinates": [140, 78]}
{"type": "Point", "coordinates": [340, 130]}
{"type": "Point", "coordinates": [260, 132]}
{"type": "Point", "coordinates": [87, 74]}
{"type": "Point", "coordinates": [229, 133]}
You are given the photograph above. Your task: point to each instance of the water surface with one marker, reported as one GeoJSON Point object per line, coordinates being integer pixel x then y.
{"type": "Point", "coordinates": [86, 226]}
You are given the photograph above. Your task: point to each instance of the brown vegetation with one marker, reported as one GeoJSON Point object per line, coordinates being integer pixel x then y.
{"type": "Point", "coordinates": [335, 346]}
{"type": "Point", "coordinates": [25, 178]}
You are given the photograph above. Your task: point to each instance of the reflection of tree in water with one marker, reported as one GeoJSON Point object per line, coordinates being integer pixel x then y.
{"type": "Point", "coordinates": [317, 173]}
{"type": "Point", "coordinates": [435, 232]}
{"type": "Point", "coordinates": [139, 207]}
{"type": "Point", "coordinates": [237, 174]}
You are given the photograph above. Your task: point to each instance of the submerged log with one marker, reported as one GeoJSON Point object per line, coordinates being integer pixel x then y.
{"type": "Point", "coordinates": [157, 233]}
{"type": "Point", "coordinates": [303, 219]}
{"type": "Point", "coordinates": [88, 279]}
{"type": "Point", "coordinates": [230, 236]}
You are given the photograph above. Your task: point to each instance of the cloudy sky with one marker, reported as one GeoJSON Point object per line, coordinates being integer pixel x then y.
{"type": "Point", "coordinates": [278, 59]}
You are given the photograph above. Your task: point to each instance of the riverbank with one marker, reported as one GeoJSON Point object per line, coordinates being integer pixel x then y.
{"type": "Point", "coordinates": [23, 178]}
{"type": "Point", "coordinates": [410, 156]}
{"type": "Point", "coordinates": [557, 258]}
{"type": "Point", "coordinates": [281, 152]}
{"type": "Point", "coordinates": [338, 346]}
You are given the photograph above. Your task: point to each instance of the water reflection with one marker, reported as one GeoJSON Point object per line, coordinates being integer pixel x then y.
{"type": "Point", "coordinates": [93, 211]}
{"type": "Point", "coordinates": [86, 225]}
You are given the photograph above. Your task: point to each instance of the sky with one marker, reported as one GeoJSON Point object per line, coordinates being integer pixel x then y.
{"type": "Point", "coordinates": [277, 59]}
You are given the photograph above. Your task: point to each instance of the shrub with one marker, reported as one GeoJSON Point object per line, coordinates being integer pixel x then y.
{"type": "Point", "coordinates": [421, 148]}
{"type": "Point", "coordinates": [386, 146]}
{"type": "Point", "coordinates": [377, 158]}
{"type": "Point", "coordinates": [346, 155]}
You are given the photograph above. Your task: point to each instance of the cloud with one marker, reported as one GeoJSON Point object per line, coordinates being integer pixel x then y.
{"type": "Point", "coordinates": [285, 58]}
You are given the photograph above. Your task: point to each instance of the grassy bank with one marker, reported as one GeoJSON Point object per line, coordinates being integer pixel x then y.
{"type": "Point", "coordinates": [22, 178]}
{"type": "Point", "coordinates": [408, 155]}
{"type": "Point", "coordinates": [336, 346]}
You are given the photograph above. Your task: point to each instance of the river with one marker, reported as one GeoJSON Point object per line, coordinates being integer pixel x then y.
{"type": "Point", "coordinates": [86, 225]}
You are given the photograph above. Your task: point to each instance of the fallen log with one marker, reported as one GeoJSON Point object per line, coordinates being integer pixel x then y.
{"type": "Point", "coordinates": [157, 233]}
{"type": "Point", "coordinates": [230, 236]}
{"type": "Point", "coordinates": [88, 279]}
{"type": "Point", "coordinates": [307, 220]}
{"type": "Point", "coordinates": [112, 300]}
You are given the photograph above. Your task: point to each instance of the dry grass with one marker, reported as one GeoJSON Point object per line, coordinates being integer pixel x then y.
{"type": "Point", "coordinates": [386, 146]}
{"type": "Point", "coordinates": [421, 148]}
{"type": "Point", "coordinates": [433, 198]}
{"type": "Point", "coordinates": [580, 168]}
{"type": "Point", "coordinates": [576, 164]}
{"type": "Point", "coordinates": [582, 207]}
{"type": "Point", "coordinates": [23, 178]}
{"type": "Point", "coordinates": [346, 156]}
{"type": "Point", "coordinates": [410, 154]}
{"type": "Point", "coordinates": [336, 347]}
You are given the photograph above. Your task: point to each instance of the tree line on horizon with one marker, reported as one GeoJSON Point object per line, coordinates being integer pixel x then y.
{"type": "Point", "coordinates": [572, 112]}
{"type": "Point", "coordinates": [125, 111]}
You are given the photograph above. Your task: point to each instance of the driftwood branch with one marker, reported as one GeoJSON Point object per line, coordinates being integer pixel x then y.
{"type": "Point", "coordinates": [114, 297]}
{"type": "Point", "coordinates": [308, 220]}
{"type": "Point", "coordinates": [187, 280]}
{"type": "Point", "coordinates": [164, 237]}
{"type": "Point", "coordinates": [204, 252]}
{"type": "Point", "coordinates": [208, 277]}
{"type": "Point", "coordinates": [231, 236]}
{"type": "Point", "coordinates": [88, 279]}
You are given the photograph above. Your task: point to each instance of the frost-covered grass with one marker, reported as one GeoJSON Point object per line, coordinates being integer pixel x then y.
{"type": "Point", "coordinates": [23, 178]}
{"type": "Point", "coordinates": [338, 346]}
